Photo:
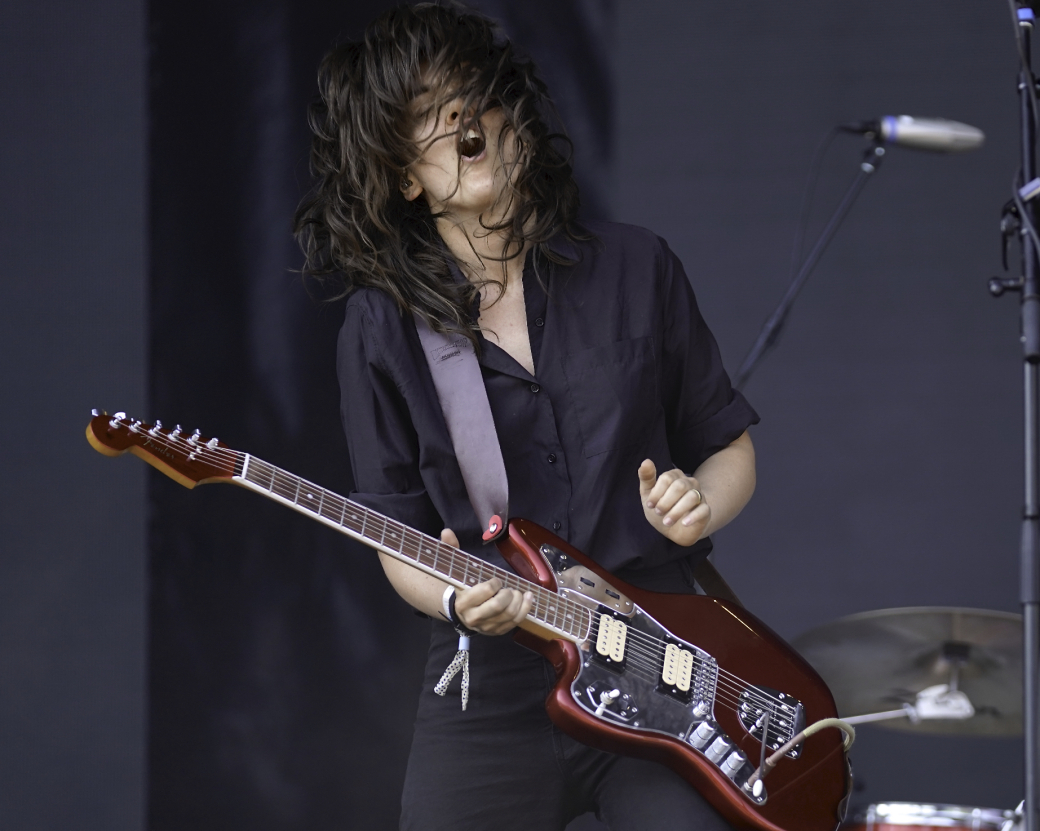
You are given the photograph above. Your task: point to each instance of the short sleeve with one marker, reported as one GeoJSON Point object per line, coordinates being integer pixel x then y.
{"type": "Point", "coordinates": [703, 412]}
{"type": "Point", "coordinates": [383, 444]}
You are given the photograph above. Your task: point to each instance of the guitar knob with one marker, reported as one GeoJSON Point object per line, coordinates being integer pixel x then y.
{"type": "Point", "coordinates": [719, 748]}
{"type": "Point", "coordinates": [734, 762]}
{"type": "Point", "coordinates": [702, 735]}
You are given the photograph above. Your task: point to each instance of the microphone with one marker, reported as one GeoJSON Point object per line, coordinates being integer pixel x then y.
{"type": "Point", "coordinates": [937, 135]}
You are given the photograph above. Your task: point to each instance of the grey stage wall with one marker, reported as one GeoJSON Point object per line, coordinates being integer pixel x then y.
{"type": "Point", "coordinates": [72, 524]}
{"type": "Point", "coordinates": [889, 449]}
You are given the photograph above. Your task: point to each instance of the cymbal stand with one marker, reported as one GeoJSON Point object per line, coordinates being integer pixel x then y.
{"type": "Point", "coordinates": [1022, 218]}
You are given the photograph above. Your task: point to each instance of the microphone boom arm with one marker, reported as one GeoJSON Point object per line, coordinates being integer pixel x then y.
{"type": "Point", "coordinates": [767, 337]}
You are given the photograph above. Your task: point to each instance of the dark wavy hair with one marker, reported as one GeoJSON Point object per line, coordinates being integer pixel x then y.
{"type": "Point", "coordinates": [355, 226]}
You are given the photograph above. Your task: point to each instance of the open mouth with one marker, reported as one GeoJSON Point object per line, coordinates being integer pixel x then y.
{"type": "Point", "coordinates": [472, 143]}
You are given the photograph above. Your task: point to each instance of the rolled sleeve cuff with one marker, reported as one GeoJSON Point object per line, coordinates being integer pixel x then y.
{"type": "Point", "coordinates": [702, 440]}
{"type": "Point", "coordinates": [413, 509]}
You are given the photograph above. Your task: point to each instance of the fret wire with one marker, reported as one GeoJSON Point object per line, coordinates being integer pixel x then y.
{"type": "Point", "coordinates": [334, 498]}
{"type": "Point", "coordinates": [559, 613]}
{"type": "Point", "coordinates": [416, 544]}
{"type": "Point", "coordinates": [391, 526]}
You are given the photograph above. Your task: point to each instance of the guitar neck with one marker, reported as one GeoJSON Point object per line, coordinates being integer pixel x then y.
{"type": "Point", "coordinates": [560, 616]}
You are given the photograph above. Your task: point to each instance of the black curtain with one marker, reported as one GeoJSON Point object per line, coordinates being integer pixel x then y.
{"type": "Point", "coordinates": [283, 670]}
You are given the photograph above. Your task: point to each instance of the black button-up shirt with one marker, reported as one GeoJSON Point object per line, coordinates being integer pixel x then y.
{"type": "Point", "coordinates": [625, 369]}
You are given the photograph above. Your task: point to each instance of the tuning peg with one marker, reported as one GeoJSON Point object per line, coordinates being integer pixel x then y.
{"type": "Point", "coordinates": [176, 432]}
{"type": "Point", "coordinates": [96, 413]}
{"type": "Point", "coordinates": [136, 426]}
{"type": "Point", "coordinates": [114, 422]}
{"type": "Point", "coordinates": [212, 443]}
{"type": "Point", "coordinates": [194, 438]}
{"type": "Point", "coordinates": [155, 430]}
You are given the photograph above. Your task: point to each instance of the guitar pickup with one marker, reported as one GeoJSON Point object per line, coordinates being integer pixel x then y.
{"type": "Point", "coordinates": [677, 673]}
{"type": "Point", "coordinates": [611, 638]}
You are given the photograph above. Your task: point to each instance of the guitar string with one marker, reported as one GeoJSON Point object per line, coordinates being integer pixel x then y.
{"type": "Point", "coordinates": [650, 675]}
{"type": "Point", "coordinates": [561, 613]}
{"type": "Point", "coordinates": [279, 479]}
{"type": "Point", "coordinates": [657, 650]}
{"type": "Point", "coordinates": [729, 694]}
{"type": "Point", "coordinates": [655, 658]}
{"type": "Point", "coordinates": [397, 536]}
{"type": "Point", "coordinates": [201, 449]}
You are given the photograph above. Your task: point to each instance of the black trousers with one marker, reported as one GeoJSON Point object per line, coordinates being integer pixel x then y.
{"type": "Point", "coordinates": [502, 765]}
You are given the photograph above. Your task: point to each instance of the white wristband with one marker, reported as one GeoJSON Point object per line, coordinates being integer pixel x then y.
{"type": "Point", "coordinates": [446, 600]}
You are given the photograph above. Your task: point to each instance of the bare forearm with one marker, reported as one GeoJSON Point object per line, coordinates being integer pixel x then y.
{"type": "Point", "coordinates": [687, 508]}
{"type": "Point", "coordinates": [727, 481]}
{"type": "Point", "coordinates": [420, 590]}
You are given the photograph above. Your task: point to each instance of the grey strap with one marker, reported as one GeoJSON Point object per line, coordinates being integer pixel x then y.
{"type": "Point", "coordinates": [464, 402]}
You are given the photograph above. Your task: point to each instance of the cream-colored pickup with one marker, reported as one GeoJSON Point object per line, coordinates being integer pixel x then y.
{"type": "Point", "coordinates": [677, 668]}
{"type": "Point", "coordinates": [610, 642]}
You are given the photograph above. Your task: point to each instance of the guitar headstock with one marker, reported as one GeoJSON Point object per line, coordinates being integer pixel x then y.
{"type": "Point", "coordinates": [189, 459]}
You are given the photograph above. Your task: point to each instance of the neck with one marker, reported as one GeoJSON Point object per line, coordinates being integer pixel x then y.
{"type": "Point", "coordinates": [482, 254]}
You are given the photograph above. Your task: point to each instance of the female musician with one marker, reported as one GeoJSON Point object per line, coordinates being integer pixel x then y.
{"type": "Point", "coordinates": [442, 195]}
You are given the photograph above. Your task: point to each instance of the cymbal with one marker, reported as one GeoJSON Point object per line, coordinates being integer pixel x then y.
{"type": "Point", "coordinates": [876, 661]}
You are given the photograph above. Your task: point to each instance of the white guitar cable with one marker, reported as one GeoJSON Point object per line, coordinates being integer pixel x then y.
{"type": "Point", "coordinates": [772, 761]}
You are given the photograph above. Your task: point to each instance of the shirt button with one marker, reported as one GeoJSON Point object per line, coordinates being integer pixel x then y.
{"type": "Point", "coordinates": [535, 388]}
{"type": "Point", "coordinates": [557, 526]}
{"type": "Point", "coordinates": [552, 458]}
{"type": "Point", "coordinates": [539, 322]}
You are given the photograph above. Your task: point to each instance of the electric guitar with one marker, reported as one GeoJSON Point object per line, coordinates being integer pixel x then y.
{"type": "Point", "coordinates": [690, 681]}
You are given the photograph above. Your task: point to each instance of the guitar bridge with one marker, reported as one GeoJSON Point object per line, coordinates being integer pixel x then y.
{"type": "Point", "coordinates": [786, 717]}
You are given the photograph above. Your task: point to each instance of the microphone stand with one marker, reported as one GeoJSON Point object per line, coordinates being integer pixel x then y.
{"type": "Point", "coordinates": [767, 337]}
{"type": "Point", "coordinates": [1029, 287]}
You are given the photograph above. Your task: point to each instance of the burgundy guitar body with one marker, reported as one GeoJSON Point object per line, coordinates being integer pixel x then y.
{"type": "Point", "coordinates": [694, 683]}
{"type": "Point", "coordinates": [804, 794]}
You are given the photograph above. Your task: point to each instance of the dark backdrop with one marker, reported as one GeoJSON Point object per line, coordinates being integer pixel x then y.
{"type": "Point", "coordinates": [283, 672]}
{"type": "Point", "coordinates": [72, 337]}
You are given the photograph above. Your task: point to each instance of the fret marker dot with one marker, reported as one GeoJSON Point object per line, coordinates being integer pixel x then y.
{"type": "Point", "coordinates": [472, 579]}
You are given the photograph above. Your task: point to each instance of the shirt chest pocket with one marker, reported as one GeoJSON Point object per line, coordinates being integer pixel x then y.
{"type": "Point", "coordinates": [613, 392]}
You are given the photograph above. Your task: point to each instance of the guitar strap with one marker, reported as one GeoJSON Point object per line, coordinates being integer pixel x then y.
{"type": "Point", "coordinates": [463, 398]}
{"type": "Point", "coordinates": [464, 402]}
